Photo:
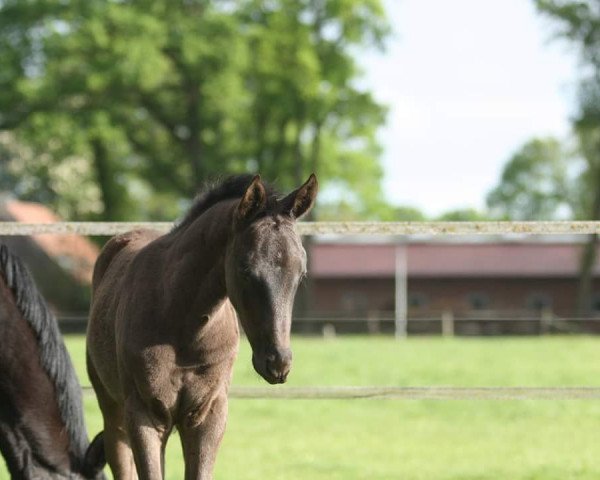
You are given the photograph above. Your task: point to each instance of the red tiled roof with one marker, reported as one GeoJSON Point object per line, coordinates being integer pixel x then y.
{"type": "Point", "coordinates": [448, 260]}
{"type": "Point", "coordinates": [74, 252]}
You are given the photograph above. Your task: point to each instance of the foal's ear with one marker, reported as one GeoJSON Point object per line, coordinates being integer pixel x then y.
{"type": "Point", "coordinates": [95, 458]}
{"type": "Point", "coordinates": [253, 201]}
{"type": "Point", "coordinates": [300, 201]}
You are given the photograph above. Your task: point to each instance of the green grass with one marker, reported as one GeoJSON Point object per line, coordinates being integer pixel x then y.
{"type": "Point", "coordinates": [407, 439]}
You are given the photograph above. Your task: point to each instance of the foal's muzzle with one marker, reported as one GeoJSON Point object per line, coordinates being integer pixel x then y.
{"type": "Point", "coordinates": [273, 365]}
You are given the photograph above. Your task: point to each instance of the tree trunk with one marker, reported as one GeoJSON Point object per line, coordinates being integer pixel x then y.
{"type": "Point", "coordinates": [110, 191]}
{"type": "Point", "coordinates": [298, 157]}
{"type": "Point", "coordinates": [193, 145]}
{"type": "Point", "coordinates": [588, 259]}
{"type": "Point", "coordinates": [304, 297]}
{"type": "Point", "coordinates": [316, 148]}
{"type": "Point", "coordinates": [306, 305]}
{"type": "Point", "coordinates": [279, 148]}
{"type": "Point", "coordinates": [261, 144]}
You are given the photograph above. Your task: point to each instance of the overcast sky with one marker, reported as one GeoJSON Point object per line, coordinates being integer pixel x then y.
{"type": "Point", "coordinates": [467, 82]}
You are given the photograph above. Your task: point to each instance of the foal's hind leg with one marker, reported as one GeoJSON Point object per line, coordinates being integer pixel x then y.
{"type": "Point", "coordinates": [116, 444]}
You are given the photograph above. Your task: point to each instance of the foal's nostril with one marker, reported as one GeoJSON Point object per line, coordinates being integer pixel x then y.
{"type": "Point", "coordinates": [279, 363]}
{"type": "Point", "coordinates": [273, 366]}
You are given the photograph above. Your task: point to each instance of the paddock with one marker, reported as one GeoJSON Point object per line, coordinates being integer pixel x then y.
{"type": "Point", "coordinates": [482, 423]}
{"type": "Point", "coordinates": [384, 407]}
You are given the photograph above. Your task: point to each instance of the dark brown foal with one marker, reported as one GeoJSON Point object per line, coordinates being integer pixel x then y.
{"type": "Point", "coordinates": [163, 332]}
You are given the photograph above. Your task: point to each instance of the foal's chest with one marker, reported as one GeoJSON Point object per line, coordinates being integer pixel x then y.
{"type": "Point", "coordinates": [174, 384]}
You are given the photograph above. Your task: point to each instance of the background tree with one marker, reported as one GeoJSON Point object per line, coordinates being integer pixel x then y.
{"type": "Point", "coordinates": [579, 22]}
{"type": "Point", "coordinates": [308, 113]}
{"type": "Point", "coordinates": [145, 88]}
{"type": "Point", "coordinates": [535, 184]}
{"type": "Point", "coordinates": [156, 97]}
{"type": "Point", "coordinates": [408, 213]}
{"type": "Point", "coordinates": [463, 215]}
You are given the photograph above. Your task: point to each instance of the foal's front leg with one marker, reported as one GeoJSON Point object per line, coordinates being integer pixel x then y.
{"type": "Point", "coordinates": [148, 440]}
{"type": "Point", "coordinates": [201, 439]}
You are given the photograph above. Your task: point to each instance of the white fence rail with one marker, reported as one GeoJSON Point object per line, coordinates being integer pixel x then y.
{"type": "Point", "coordinates": [420, 393]}
{"type": "Point", "coordinates": [411, 393]}
{"type": "Point", "coordinates": [323, 228]}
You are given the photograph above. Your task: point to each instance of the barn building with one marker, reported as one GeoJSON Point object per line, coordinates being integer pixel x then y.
{"type": "Point", "coordinates": [501, 281]}
{"type": "Point", "coordinates": [483, 285]}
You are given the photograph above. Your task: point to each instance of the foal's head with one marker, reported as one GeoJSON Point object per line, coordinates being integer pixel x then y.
{"type": "Point", "coordinates": [265, 263]}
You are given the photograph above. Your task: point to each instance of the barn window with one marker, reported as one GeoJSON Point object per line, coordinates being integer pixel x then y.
{"type": "Point", "coordinates": [596, 302]}
{"type": "Point", "coordinates": [539, 301]}
{"type": "Point", "coordinates": [417, 300]}
{"type": "Point", "coordinates": [354, 301]}
{"type": "Point", "coordinates": [478, 300]}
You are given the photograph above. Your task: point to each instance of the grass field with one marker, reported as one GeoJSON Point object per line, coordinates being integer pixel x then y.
{"type": "Point", "coordinates": [407, 439]}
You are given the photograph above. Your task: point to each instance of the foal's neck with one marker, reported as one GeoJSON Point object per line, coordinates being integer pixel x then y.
{"type": "Point", "coordinates": [197, 261]}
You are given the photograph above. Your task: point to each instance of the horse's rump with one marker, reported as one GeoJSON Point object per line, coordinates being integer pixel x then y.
{"type": "Point", "coordinates": [110, 272]}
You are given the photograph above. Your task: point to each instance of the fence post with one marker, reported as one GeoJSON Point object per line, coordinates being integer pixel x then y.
{"type": "Point", "coordinates": [401, 287]}
{"type": "Point", "coordinates": [329, 331]}
{"type": "Point", "coordinates": [447, 323]}
{"type": "Point", "coordinates": [373, 323]}
{"type": "Point", "coordinates": [546, 320]}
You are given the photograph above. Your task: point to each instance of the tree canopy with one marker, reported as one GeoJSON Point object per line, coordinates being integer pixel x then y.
{"type": "Point", "coordinates": [579, 23]}
{"type": "Point", "coordinates": [545, 180]}
{"type": "Point", "coordinates": [535, 184]}
{"type": "Point", "coordinates": [143, 101]}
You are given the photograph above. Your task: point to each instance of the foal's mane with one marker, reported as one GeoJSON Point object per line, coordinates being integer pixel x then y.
{"type": "Point", "coordinates": [54, 358]}
{"type": "Point", "coordinates": [226, 189]}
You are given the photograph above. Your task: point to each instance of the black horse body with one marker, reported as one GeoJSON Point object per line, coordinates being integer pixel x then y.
{"type": "Point", "coordinates": [42, 430]}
